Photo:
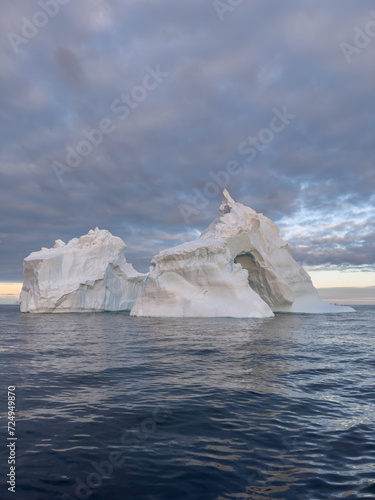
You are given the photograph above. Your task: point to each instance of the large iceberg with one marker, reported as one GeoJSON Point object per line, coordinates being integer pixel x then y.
{"type": "Point", "coordinates": [86, 274]}
{"type": "Point", "coordinates": [239, 267]}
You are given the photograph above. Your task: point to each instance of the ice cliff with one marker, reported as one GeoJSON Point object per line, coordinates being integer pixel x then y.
{"type": "Point", "coordinates": [86, 274]}
{"type": "Point", "coordinates": [239, 267]}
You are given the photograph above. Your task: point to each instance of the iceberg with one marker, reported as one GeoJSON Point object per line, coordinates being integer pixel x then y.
{"type": "Point", "coordinates": [239, 267]}
{"type": "Point", "coordinates": [89, 273]}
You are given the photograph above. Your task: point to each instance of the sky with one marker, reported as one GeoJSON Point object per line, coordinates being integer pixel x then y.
{"type": "Point", "coordinates": [132, 115]}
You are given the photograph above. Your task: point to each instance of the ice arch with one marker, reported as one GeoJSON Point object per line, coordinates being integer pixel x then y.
{"type": "Point", "coordinates": [277, 294]}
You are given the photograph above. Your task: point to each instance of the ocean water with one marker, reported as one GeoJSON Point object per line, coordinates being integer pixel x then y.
{"type": "Point", "coordinates": [114, 407]}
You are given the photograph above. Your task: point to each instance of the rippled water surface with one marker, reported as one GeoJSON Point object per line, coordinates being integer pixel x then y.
{"type": "Point", "coordinates": [114, 407]}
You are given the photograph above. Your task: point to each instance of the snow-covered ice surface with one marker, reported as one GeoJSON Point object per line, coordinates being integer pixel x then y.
{"type": "Point", "coordinates": [86, 274]}
{"type": "Point", "coordinates": [239, 267]}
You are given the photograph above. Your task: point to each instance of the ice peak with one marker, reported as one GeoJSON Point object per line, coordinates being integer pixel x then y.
{"type": "Point", "coordinates": [227, 204]}
{"type": "Point", "coordinates": [59, 244]}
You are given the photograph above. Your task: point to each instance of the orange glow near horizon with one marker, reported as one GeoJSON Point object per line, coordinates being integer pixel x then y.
{"type": "Point", "coordinates": [10, 288]}
{"type": "Point", "coordinates": [9, 292]}
{"type": "Point", "coordinates": [342, 279]}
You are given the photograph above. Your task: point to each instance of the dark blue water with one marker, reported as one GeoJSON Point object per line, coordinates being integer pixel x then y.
{"type": "Point", "coordinates": [113, 407]}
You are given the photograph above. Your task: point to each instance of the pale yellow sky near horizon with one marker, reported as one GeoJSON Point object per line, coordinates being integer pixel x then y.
{"type": "Point", "coordinates": [333, 279]}
{"type": "Point", "coordinates": [9, 292]}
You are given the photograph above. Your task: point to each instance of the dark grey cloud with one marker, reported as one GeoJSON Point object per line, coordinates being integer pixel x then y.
{"type": "Point", "coordinates": [315, 177]}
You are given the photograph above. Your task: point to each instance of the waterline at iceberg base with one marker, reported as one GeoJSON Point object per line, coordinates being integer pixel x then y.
{"type": "Point", "coordinates": [239, 267]}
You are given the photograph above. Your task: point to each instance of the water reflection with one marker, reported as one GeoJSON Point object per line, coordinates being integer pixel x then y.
{"type": "Point", "coordinates": [274, 408]}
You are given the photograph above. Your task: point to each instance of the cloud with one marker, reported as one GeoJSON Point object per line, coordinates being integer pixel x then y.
{"type": "Point", "coordinates": [225, 79]}
{"type": "Point", "coordinates": [349, 295]}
